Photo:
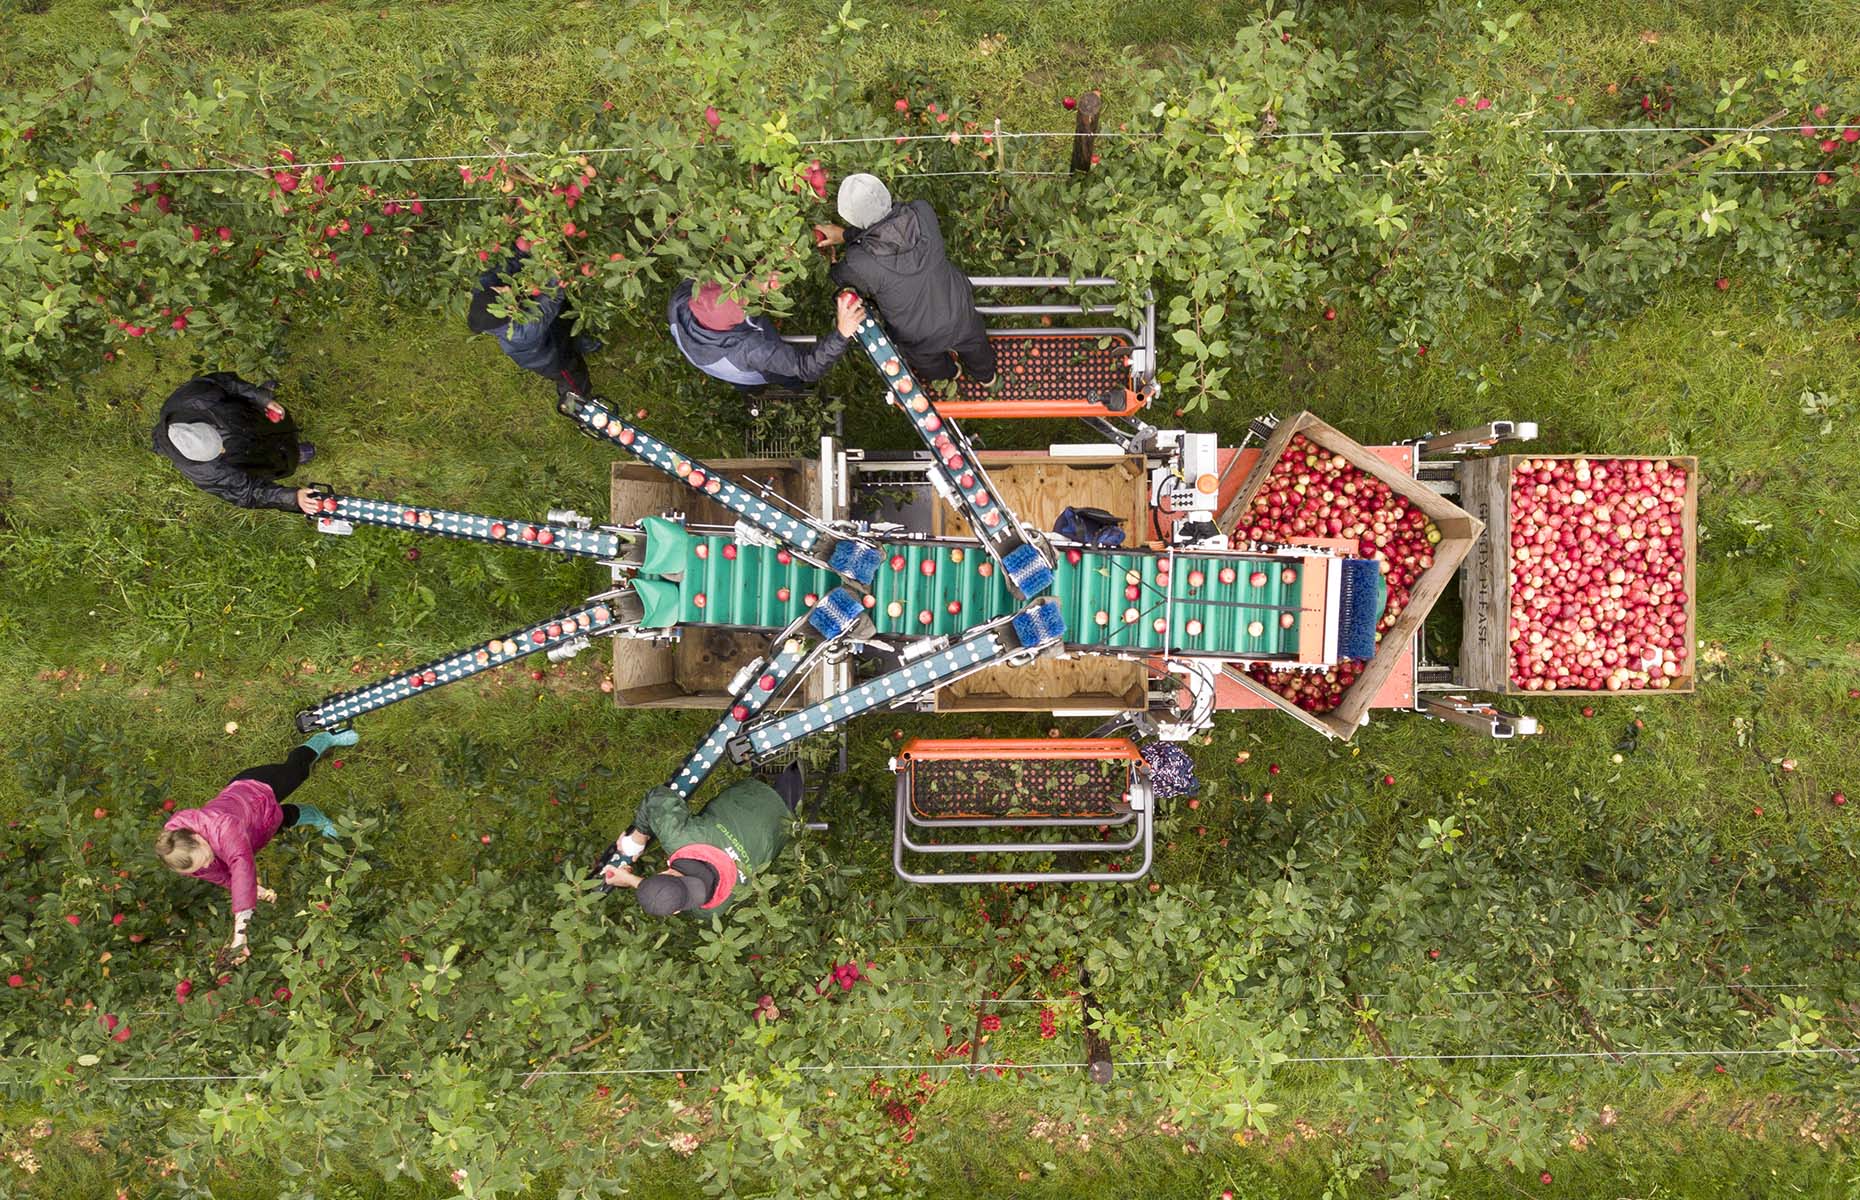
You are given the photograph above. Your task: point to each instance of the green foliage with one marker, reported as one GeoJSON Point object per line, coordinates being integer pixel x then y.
{"type": "Point", "coordinates": [419, 1029]}
{"type": "Point", "coordinates": [1223, 192]}
{"type": "Point", "coordinates": [1550, 887]}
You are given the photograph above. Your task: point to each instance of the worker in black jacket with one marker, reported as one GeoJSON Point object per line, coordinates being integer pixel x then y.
{"type": "Point", "coordinates": [895, 258]}
{"type": "Point", "coordinates": [231, 438]}
{"type": "Point", "coordinates": [722, 340]}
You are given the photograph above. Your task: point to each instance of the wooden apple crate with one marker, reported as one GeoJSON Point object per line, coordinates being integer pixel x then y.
{"type": "Point", "coordinates": [1485, 585]}
{"type": "Point", "coordinates": [1459, 531]}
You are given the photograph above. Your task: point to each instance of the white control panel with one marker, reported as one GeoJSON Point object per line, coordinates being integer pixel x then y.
{"type": "Point", "coordinates": [1190, 481]}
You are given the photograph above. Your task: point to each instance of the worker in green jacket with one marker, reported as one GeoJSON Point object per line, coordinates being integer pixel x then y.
{"type": "Point", "coordinates": [710, 854]}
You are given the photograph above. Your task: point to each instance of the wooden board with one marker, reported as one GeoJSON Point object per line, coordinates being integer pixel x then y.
{"type": "Point", "coordinates": [1485, 584]}
{"type": "Point", "coordinates": [1035, 487]}
{"type": "Point", "coordinates": [1394, 655]}
{"type": "Point", "coordinates": [1089, 683]}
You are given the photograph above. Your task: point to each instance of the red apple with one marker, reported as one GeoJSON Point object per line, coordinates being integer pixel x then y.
{"type": "Point", "coordinates": [1070, 102]}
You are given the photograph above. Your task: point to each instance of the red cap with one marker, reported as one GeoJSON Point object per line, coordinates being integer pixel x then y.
{"type": "Point", "coordinates": [713, 311]}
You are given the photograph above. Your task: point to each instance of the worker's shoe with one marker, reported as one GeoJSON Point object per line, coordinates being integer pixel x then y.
{"type": "Point", "coordinates": [305, 452]}
{"type": "Point", "coordinates": [309, 816]}
{"type": "Point", "coordinates": [319, 743]}
{"type": "Point", "coordinates": [790, 784]}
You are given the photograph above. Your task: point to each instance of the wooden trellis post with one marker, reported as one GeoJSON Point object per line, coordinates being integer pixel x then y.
{"type": "Point", "coordinates": [1086, 136]}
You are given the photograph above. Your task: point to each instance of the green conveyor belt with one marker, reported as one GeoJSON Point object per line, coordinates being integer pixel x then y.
{"type": "Point", "coordinates": [743, 586]}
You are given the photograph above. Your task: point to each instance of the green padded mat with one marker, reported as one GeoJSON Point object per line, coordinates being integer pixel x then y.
{"type": "Point", "coordinates": [726, 583]}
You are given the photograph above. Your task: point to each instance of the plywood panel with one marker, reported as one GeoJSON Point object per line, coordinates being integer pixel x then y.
{"type": "Point", "coordinates": [692, 672]}
{"type": "Point", "coordinates": [1091, 682]}
{"type": "Point", "coordinates": [1036, 488]}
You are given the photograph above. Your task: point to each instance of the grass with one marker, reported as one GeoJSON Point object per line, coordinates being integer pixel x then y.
{"type": "Point", "coordinates": [136, 605]}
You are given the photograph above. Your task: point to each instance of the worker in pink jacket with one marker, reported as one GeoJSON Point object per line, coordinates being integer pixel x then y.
{"type": "Point", "coordinates": [219, 841]}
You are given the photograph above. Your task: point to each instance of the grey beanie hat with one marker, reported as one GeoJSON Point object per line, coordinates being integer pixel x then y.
{"type": "Point", "coordinates": [863, 200]}
{"type": "Point", "coordinates": [196, 440]}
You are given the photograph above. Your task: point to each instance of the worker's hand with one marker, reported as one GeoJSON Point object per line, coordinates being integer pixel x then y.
{"type": "Point", "coordinates": [267, 895]}
{"type": "Point", "coordinates": [236, 952]}
{"type": "Point", "coordinates": [620, 877]}
{"type": "Point", "coordinates": [829, 235]}
{"type": "Point", "coordinates": [632, 843]}
{"type": "Point", "coordinates": [308, 501]}
{"type": "Point", "coordinates": [274, 412]}
{"type": "Point", "coordinates": [851, 313]}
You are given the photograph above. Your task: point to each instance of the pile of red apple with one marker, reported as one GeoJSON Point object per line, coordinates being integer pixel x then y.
{"type": "Point", "coordinates": [1314, 492]}
{"type": "Point", "coordinates": [1598, 582]}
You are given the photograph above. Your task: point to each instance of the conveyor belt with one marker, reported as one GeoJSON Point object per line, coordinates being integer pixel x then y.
{"type": "Point", "coordinates": [957, 473]}
{"type": "Point", "coordinates": [704, 759]}
{"type": "Point", "coordinates": [343, 707]}
{"type": "Point", "coordinates": [1032, 630]}
{"type": "Point", "coordinates": [730, 583]}
{"type": "Point", "coordinates": [467, 526]}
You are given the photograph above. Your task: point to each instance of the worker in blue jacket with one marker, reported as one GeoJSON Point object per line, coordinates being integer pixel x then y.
{"type": "Point", "coordinates": [545, 343]}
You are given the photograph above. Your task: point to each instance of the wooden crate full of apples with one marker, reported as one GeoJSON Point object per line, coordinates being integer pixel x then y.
{"type": "Point", "coordinates": [1312, 483]}
{"type": "Point", "coordinates": [1585, 577]}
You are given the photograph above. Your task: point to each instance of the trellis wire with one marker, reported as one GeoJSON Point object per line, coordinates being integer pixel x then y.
{"type": "Point", "coordinates": [1133, 135]}
{"type": "Point", "coordinates": [1615, 1056]}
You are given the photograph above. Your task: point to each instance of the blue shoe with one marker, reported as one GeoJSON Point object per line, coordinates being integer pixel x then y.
{"type": "Point", "coordinates": [311, 817]}
{"type": "Point", "coordinates": [321, 742]}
